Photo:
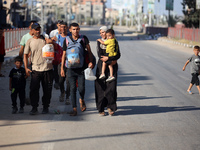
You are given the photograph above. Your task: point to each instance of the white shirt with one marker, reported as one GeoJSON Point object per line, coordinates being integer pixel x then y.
{"type": "Point", "coordinates": [53, 33]}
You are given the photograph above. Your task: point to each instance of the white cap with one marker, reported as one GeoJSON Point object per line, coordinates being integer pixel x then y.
{"type": "Point", "coordinates": [104, 28]}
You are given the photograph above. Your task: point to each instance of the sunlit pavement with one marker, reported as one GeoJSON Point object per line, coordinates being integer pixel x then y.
{"type": "Point", "coordinates": [154, 110]}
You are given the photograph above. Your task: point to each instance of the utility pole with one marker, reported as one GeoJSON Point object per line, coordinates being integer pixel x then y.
{"type": "Point", "coordinates": [34, 11]}
{"type": "Point", "coordinates": [65, 10]}
{"type": "Point", "coordinates": [70, 12]}
{"type": "Point", "coordinates": [139, 14]}
{"type": "Point", "coordinates": [151, 4]}
{"type": "Point", "coordinates": [169, 6]}
{"type": "Point", "coordinates": [120, 17]}
{"type": "Point", "coordinates": [150, 19]}
{"type": "Point", "coordinates": [169, 19]}
{"type": "Point", "coordinates": [158, 13]}
{"type": "Point", "coordinates": [198, 8]}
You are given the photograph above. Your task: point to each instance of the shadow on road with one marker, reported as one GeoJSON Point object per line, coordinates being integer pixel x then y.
{"type": "Point", "coordinates": [74, 139]}
{"type": "Point", "coordinates": [140, 98]}
{"type": "Point", "coordinates": [134, 84]}
{"type": "Point", "coordinates": [132, 78]}
{"type": "Point", "coordinates": [135, 110]}
{"type": "Point", "coordinates": [127, 77]}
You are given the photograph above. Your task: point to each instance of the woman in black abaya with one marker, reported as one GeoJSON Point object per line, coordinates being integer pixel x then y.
{"type": "Point", "coordinates": [105, 92]}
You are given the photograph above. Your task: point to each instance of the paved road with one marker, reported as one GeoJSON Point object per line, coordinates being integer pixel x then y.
{"type": "Point", "coordinates": [154, 110]}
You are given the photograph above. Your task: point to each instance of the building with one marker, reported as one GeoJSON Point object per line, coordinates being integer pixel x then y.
{"type": "Point", "coordinates": [111, 16]}
{"type": "Point", "coordinates": [91, 11]}
{"type": "Point", "coordinates": [53, 10]}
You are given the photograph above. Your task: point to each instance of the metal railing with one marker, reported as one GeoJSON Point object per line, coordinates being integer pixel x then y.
{"type": "Point", "coordinates": [13, 38]}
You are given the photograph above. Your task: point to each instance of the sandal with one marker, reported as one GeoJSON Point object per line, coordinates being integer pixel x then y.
{"type": "Point", "coordinates": [1, 75]}
{"type": "Point", "coordinates": [73, 113]}
{"type": "Point", "coordinates": [111, 113]}
{"type": "Point", "coordinates": [190, 92]}
{"type": "Point", "coordinates": [102, 113]}
{"type": "Point", "coordinates": [82, 105]}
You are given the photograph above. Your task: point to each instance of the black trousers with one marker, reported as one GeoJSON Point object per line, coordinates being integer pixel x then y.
{"type": "Point", "coordinates": [55, 72]}
{"type": "Point", "coordinates": [15, 92]}
{"type": "Point", "coordinates": [46, 79]}
{"type": "Point", "coordinates": [195, 79]}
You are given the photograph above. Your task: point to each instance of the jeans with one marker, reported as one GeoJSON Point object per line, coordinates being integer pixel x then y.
{"type": "Point", "coordinates": [73, 76]}
{"type": "Point", "coordinates": [46, 78]}
{"type": "Point", "coordinates": [62, 80]}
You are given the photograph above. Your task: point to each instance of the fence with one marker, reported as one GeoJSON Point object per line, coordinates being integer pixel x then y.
{"type": "Point", "coordinates": [13, 38]}
{"type": "Point", "coordinates": [184, 33]}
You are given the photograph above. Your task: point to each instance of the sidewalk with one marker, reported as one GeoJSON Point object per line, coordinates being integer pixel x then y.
{"type": "Point", "coordinates": [11, 55]}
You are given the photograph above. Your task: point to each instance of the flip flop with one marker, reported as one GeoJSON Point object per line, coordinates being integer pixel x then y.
{"type": "Point", "coordinates": [189, 92]}
{"type": "Point", "coordinates": [73, 113]}
{"type": "Point", "coordinates": [110, 112]}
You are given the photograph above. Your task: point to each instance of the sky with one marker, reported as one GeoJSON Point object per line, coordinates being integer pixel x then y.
{"type": "Point", "coordinates": [161, 6]}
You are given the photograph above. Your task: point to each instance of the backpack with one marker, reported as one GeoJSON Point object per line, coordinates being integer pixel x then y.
{"type": "Point", "coordinates": [74, 53]}
{"type": "Point", "coordinates": [57, 55]}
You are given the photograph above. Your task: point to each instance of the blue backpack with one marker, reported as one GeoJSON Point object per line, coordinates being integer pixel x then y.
{"type": "Point", "coordinates": [74, 53]}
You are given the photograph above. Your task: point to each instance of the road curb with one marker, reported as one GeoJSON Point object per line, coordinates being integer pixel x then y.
{"type": "Point", "coordinates": [10, 55]}
{"type": "Point", "coordinates": [175, 42]}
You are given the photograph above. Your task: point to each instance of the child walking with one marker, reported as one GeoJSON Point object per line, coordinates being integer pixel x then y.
{"type": "Point", "coordinates": [194, 69]}
{"type": "Point", "coordinates": [111, 50]}
{"type": "Point", "coordinates": [17, 84]}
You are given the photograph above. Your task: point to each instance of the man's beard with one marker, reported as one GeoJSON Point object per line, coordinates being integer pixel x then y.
{"type": "Point", "coordinates": [37, 34]}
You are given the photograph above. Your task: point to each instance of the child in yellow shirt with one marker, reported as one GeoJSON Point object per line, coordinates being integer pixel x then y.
{"type": "Point", "coordinates": [111, 50]}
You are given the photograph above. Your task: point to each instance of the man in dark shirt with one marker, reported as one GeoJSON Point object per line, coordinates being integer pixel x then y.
{"type": "Point", "coordinates": [77, 74]}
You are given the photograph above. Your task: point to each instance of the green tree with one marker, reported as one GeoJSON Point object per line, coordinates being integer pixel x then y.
{"type": "Point", "coordinates": [191, 14]}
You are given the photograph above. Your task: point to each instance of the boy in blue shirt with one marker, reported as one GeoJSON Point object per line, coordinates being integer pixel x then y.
{"type": "Point", "coordinates": [60, 40]}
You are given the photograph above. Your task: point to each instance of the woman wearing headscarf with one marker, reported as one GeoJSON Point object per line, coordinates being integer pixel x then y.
{"type": "Point", "coordinates": [105, 92]}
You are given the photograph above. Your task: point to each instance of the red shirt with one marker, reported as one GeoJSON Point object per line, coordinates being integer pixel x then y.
{"type": "Point", "coordinates": [2, 46]}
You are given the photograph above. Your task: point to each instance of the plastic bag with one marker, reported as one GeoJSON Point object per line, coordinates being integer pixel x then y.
{"type": "Point", "coordinates": [89, 75]}
{"type": "Point", "coordinates": [45, 35]}
{"type": "Point", "coordinates": [48, 53]}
